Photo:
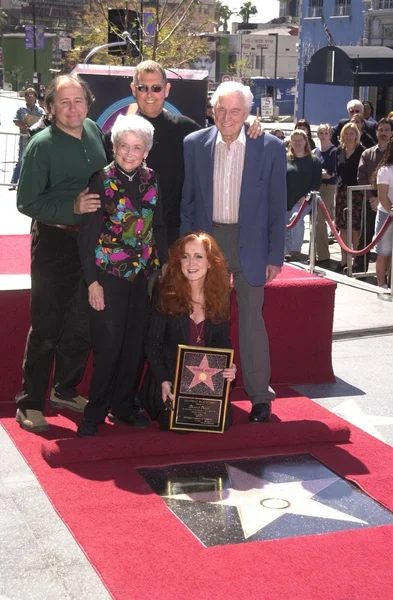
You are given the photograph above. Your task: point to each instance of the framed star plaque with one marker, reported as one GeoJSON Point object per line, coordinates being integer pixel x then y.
{"type": "Point", "coordinates": [200, 389]}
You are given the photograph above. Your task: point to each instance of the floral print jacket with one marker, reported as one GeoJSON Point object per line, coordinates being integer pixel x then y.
{"type": "Point", "coordinates": [126, 242]}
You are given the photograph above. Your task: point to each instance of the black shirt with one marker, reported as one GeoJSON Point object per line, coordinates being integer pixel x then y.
{"type": "Point", "coordinates": [347, 168]}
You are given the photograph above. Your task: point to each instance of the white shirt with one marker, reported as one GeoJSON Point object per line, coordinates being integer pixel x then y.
{"type": "Point", "coordinates": [385, 175]}
{"type": "Point", "coordinates": [228, 172]}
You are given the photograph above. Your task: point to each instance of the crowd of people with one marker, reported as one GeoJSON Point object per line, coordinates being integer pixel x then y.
{"type": "Point", "coordinates": [354, 152]}
{"type": "Point", "coordinates": [139, 233]}
{"type": "Point", "coordinates": [110, 212]}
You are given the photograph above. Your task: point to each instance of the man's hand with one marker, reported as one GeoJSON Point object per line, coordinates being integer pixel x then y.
{"type": "Point", "coordinates": [373, 202]}
{"type": "Point", "coordinates": [86, 203]}
{"type": "Point", "coordinates": [230, 373]}
{"type": "Point", "coordinates": [254, 128]}
{"type": "Point", "coordinates": [271, 272]}
{"type": "Point", "coordinates": [96, 296]}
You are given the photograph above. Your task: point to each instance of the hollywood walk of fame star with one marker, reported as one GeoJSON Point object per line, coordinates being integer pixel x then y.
{"type": "Point", "coordinates": [203, 373]}
{"type": "Point", "coordinates": [248, 491]}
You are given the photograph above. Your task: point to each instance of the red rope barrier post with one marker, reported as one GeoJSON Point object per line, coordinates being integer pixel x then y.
{"type": "Point", "coordinates": [384, 296]}
{"type": "Point", "coordinates": [313, 228]}
{"type": "Point", "coordinates": [350, 190]}
{"type": "Point", "coordinates": [349, 230]}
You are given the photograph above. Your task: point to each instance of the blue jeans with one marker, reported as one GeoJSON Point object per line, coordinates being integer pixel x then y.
{"type": "Point", "coordinates": [294, 237]}
{"type": "Point", "coordinates": [16, 173]}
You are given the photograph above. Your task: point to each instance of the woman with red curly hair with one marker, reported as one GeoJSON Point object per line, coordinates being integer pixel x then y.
{"type": "Point", "coordinates": [192, 308]}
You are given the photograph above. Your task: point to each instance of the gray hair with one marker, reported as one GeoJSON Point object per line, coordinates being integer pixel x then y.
{"type": "Point", "coordinates": [355, 104]}
{"type": "Point", "coordinates": [232, 87]}
{"type": "Point", "coordinates": [133, 124]}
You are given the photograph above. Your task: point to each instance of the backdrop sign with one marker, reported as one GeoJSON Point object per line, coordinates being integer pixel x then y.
{"type": "Point", "coordinates": [114, 97]}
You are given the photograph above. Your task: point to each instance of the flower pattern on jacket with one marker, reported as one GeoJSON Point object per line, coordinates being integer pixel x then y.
{"type": "Point", "coordinates": [126, 244]}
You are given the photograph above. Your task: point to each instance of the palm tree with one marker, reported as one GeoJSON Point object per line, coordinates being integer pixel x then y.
{"type": "Point", "coordinates": [224, 13]}
{"type": "Point", "coordinates": [246, 11]}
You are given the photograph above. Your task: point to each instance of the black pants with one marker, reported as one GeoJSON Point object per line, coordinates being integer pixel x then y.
{"type": "Point", "coordinates": [58, 315]}
{"type": "Point", "coordinates": [118, 334]}
{"type": "Point", "coordinates": [361, 262]}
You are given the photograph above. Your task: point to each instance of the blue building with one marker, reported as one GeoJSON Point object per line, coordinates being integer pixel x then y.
{"type": "Point", "coordinates": [324, 23]}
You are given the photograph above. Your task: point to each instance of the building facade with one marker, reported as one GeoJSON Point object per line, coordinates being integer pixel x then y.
{"type": "Point", "coordinates": [255, 53]}
{"type": "Point", "coordinates": [323, 23]}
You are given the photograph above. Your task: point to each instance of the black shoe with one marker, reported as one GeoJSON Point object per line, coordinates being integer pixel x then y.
{"type": "Point", "coordinates": [339, 268]}
{"type": "Point", "coordinates": [260, 413]}
{"type": "Point", "coordinates": [136, 420]}
{"type": "Point", "coordinates": [86, 429]}
{"type": "Point", "coordinates": [324, 264]}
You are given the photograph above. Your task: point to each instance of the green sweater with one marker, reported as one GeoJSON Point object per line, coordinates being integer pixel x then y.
{"type": "Point", "coordinates": [303, 176]}
{"type": "Point", "coordinates": [56, 167]}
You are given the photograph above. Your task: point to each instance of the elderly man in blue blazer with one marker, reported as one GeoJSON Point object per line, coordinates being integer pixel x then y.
{"type": "Point", "coordinates": [235, 189]}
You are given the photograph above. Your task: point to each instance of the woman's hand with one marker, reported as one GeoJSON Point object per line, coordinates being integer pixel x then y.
{"type": "Point", "coordinates": [166, 393]}
{"type": "Point", "coordinates": [96, 296]}
{"type": "Point", "coordinates": [230, 373]}
{"type": "Point", "coordinates": [86, 203]}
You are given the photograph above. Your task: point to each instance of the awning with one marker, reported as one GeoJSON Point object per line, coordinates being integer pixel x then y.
{"type": "Point", "coordinates": [351, 65]}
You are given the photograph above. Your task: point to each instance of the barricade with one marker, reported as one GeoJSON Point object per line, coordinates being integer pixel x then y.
{"type": "Point", "coordinates": [350, 190]}
{"type": "Point", "coordinates": [11, 147]}
{"type": "Point", "coordinates": [316, 199]}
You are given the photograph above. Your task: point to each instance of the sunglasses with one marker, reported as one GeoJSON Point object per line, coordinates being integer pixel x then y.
{"type": "Point", "coordinates": [354, 110]}
{"type": "Point", "coordinates": [156, 89]}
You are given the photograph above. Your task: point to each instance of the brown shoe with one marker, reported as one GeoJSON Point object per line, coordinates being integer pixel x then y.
{"type": "Point", "coordinates": [31, 420]}
{"type": "Point", "coordinates": [76, 404]}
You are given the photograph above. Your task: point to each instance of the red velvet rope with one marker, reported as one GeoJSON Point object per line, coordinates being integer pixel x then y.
{"type": "Point", "coordinates": [299, 214]}
{"type": "Point", "coordinates": [339, 240]}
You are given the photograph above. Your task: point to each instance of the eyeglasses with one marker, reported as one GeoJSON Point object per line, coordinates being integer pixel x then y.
{"type": "Point", "coordinates": [30, 95]}
{"type": "Point", "coordinates": [156, 89]}
{"type": "Point", "coordinates": [354, 110]}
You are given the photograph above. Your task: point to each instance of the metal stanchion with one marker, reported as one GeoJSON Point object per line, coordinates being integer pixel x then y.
{"type": "Point", "coordinates": [388, 297]}
{"type": "Point", "coordinates": [350, 190]}
{"type": "Point", "coordinates": [349, 232]}
{"type": "Point", "coordinates": [313, 229]}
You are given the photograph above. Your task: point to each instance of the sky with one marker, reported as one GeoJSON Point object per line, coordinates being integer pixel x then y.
{"type": "Point", "coordinates": [267, 10]}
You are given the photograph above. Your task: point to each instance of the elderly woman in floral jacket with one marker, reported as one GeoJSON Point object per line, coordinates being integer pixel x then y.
{"type": "Point", "coordinates": [120, 246]}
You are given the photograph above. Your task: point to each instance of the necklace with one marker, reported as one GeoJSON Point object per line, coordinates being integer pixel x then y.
{"type": "Point", "coordinates": [129, 177]}
{"type": "Point", "coordinates": [199, 332]}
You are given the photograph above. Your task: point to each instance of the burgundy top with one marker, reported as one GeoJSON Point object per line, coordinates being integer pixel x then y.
{"type": "Point", "coordinates": [197, 331]}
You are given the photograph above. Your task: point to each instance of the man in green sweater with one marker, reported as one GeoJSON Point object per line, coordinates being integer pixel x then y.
{"type": "Point", "coordinates": [56, 168]}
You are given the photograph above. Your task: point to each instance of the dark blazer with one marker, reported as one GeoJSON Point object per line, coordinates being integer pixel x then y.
{"type": "Point", "coordinates": [263, 197]}
{"type": "Point", "coordinates": [164, 335]}
{"type": "Point", "coordinates": [370, 129]}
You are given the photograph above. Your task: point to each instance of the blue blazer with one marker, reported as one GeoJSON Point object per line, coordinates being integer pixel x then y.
{"type": "Point", "coordinates": [263, 198]}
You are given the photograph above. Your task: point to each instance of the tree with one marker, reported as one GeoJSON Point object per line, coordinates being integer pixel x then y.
{"type": "Point", "coordinates": [174, 39]}
{"type": "Point", "coordinates": [246, 11]}
{"type": "Point", "coordinates": [223, 13]}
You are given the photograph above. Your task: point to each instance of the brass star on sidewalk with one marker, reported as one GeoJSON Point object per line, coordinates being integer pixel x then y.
{"type": "Point", "coordinates": [260, 502]}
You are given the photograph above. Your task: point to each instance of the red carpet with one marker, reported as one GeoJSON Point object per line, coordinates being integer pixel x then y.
{"type": "Point", "coordinates": [298, 313]}
{"type": "Point", "coordinates": [14, 255]}
{"type": "Point", "coordinates": [143, 552]}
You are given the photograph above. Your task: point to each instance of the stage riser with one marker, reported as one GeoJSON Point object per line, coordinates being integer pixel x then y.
{"type": "Point", "coordinates": [298, 314]}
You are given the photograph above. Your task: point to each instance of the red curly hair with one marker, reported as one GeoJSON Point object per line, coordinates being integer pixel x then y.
{"type": "Point", "coordinates": [175, 289]}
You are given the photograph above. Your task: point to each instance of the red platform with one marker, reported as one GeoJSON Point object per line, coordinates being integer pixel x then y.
{"type": "Point", "coordinates": [298, 313]}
